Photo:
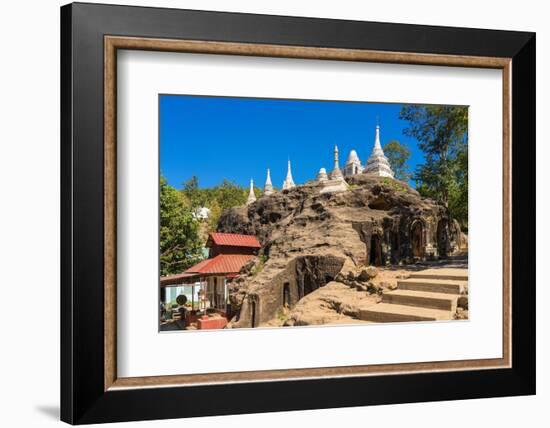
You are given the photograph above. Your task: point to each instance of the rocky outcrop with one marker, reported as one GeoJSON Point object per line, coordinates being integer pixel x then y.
{"type": "Point", "coordinates": [334, 303]}
{"type": "Point", "coordinates": [308, 238]}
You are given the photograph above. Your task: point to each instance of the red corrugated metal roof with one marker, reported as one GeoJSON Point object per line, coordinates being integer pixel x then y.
{"type": "Point", "coordinates": [234, 240]}
{"type": "Point", "coordinates": [222, 264]}
{"type": "Point", "coordinates": [177, 279]}
{"type": "Point", "coordinates": [198, 266]}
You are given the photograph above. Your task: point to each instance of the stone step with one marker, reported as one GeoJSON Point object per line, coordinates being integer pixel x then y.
{"type": "Point", "coordinates": [447, 286]}
{"type": "Point", "coordinates": [443, 301]}
{"type": "Point", "coordinates": [387, 312]}
{"type": "Point", "coordinates": [445, 273]}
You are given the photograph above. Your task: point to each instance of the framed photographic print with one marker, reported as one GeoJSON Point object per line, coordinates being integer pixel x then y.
{"type": "Point", "coordinates": [266, 213]}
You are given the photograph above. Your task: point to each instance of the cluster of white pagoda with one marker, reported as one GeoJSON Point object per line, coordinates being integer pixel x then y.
{"type": "Point", "coordinates": [377, 164]}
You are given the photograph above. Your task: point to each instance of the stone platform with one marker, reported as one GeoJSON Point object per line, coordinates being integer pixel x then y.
{"type": "Point", "coordinates": [427, 295]}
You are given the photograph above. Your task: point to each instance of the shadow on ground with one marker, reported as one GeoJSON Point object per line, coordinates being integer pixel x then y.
{"type": "Point", "coordinates": [50, 411]}
{"type": "Point", "coordinates": [459, 262]}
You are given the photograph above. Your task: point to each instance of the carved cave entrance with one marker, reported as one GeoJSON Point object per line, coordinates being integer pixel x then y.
{"type": "Point", "coordinates": [442, 238]}
{"type": "Point", "coordinates": [417, 240]}
{"type": "Point", "coordinates": [375, 255]}
{"type": "Point", "coordinates": [286, 295]}
{"type": "Point", "coordinates": [313, 272]}
{"type": "Point", "coordinates": [395, 247]}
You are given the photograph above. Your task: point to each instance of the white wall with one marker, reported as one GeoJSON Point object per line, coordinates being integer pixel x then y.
{"type": "Point", "coordinates": [29, 225]}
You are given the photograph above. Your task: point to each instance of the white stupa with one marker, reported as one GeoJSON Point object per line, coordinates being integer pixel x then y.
{"type": "Point", "coordinates": [336, 174]}
{"type": "Point", "coordinates": [335, 182]}
{"type": "Point", "coordinates": [353, 164]}
{"type": "Point", "coordinates": [268, 187]}
{"type": "Point", "coordinates": [251, 195]}
{"type": "Point", "coordinates": [322, 175]}
{"type": "Point", "coordinates": [377, 163]}
{"type": "Point", "coordinates": [289, 182]}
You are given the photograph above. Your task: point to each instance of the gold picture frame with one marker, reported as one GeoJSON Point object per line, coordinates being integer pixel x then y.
{"type": "Point", "coordinates": [114, 43]}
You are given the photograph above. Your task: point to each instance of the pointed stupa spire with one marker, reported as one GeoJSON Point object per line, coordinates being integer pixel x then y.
{"type": "Point", "coordinates": [378, 163]}
{"type": "Point", "coordinates": [289, 182]}
{"type": "Point", "coordinates": [251, 195]}
{"type": "Point", "coordinates": [268, 187]}
{"type": "Point", "coordinates": [377, 145]}
{"type": "Point", "coordinates": [336, 173]}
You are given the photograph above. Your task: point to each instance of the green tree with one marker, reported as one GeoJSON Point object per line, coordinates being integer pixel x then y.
{"type": "Point", "coordinates": [214, 216]}
{"type": "Point", "coordinates": [229, 194]}
{"type": "Point", "coordinates": [458, 195]}
{"type": "Point", "coordinates": [225, 195]}
{"type": "Point", "coordinates": [398, 155]}
{"type": "Point", "coordinates": [194, 196]}
{"type": "Point", "coordinates": [180, 246]}
{"type": "Point", "coordinates": [442, 133]}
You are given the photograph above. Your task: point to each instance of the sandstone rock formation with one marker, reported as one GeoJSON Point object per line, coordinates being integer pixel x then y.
{"type": "Point", "coordinates": [335, 303]}
{"type": "Point", "coordinates": [308, 238]}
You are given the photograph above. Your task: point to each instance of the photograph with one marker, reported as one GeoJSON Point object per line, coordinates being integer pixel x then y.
{"type": "Point", "coordinates": [293, 212]}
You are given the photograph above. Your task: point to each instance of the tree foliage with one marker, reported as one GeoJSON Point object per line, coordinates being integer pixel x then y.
{"type": "Point", "coordinates": [442, 133]}
{"type": "Point", "coordinates": [180, 245]}
{"type": "Point", "coordinates": [225, 195]}
{"type": "Point", "coordinates": [182, 233]}
{"type": "Point", "coordinates": [398, 155]}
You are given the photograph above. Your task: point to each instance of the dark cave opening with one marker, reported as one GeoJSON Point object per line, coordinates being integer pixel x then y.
{"type": "Point", "coordinates": [313, 272]}
{"type": "Point", "coordinates": [375, 254]}
{"type": "Point", "coordinates": [286, 295]}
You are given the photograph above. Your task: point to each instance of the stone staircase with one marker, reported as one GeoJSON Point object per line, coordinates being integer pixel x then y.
{"type": "Point", "coordinates": [427, 295]}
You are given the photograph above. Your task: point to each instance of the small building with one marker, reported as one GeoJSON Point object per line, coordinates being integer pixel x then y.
{"type": "Point", "coordinates": [202, 213]}
{"type": "Point", "coordinates": [207, 280]}
{"type": "Point", "coordinates": [353, 164]}
{"type": "Point", "coordinates": [232, 243]}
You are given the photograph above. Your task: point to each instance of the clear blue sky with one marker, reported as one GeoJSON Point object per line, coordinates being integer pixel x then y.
{"type": "Point", "coordinates": [238, 138]}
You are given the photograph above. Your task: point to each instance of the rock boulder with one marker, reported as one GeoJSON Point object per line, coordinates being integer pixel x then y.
{"type": "Point", "coordinates": [310, 238]}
